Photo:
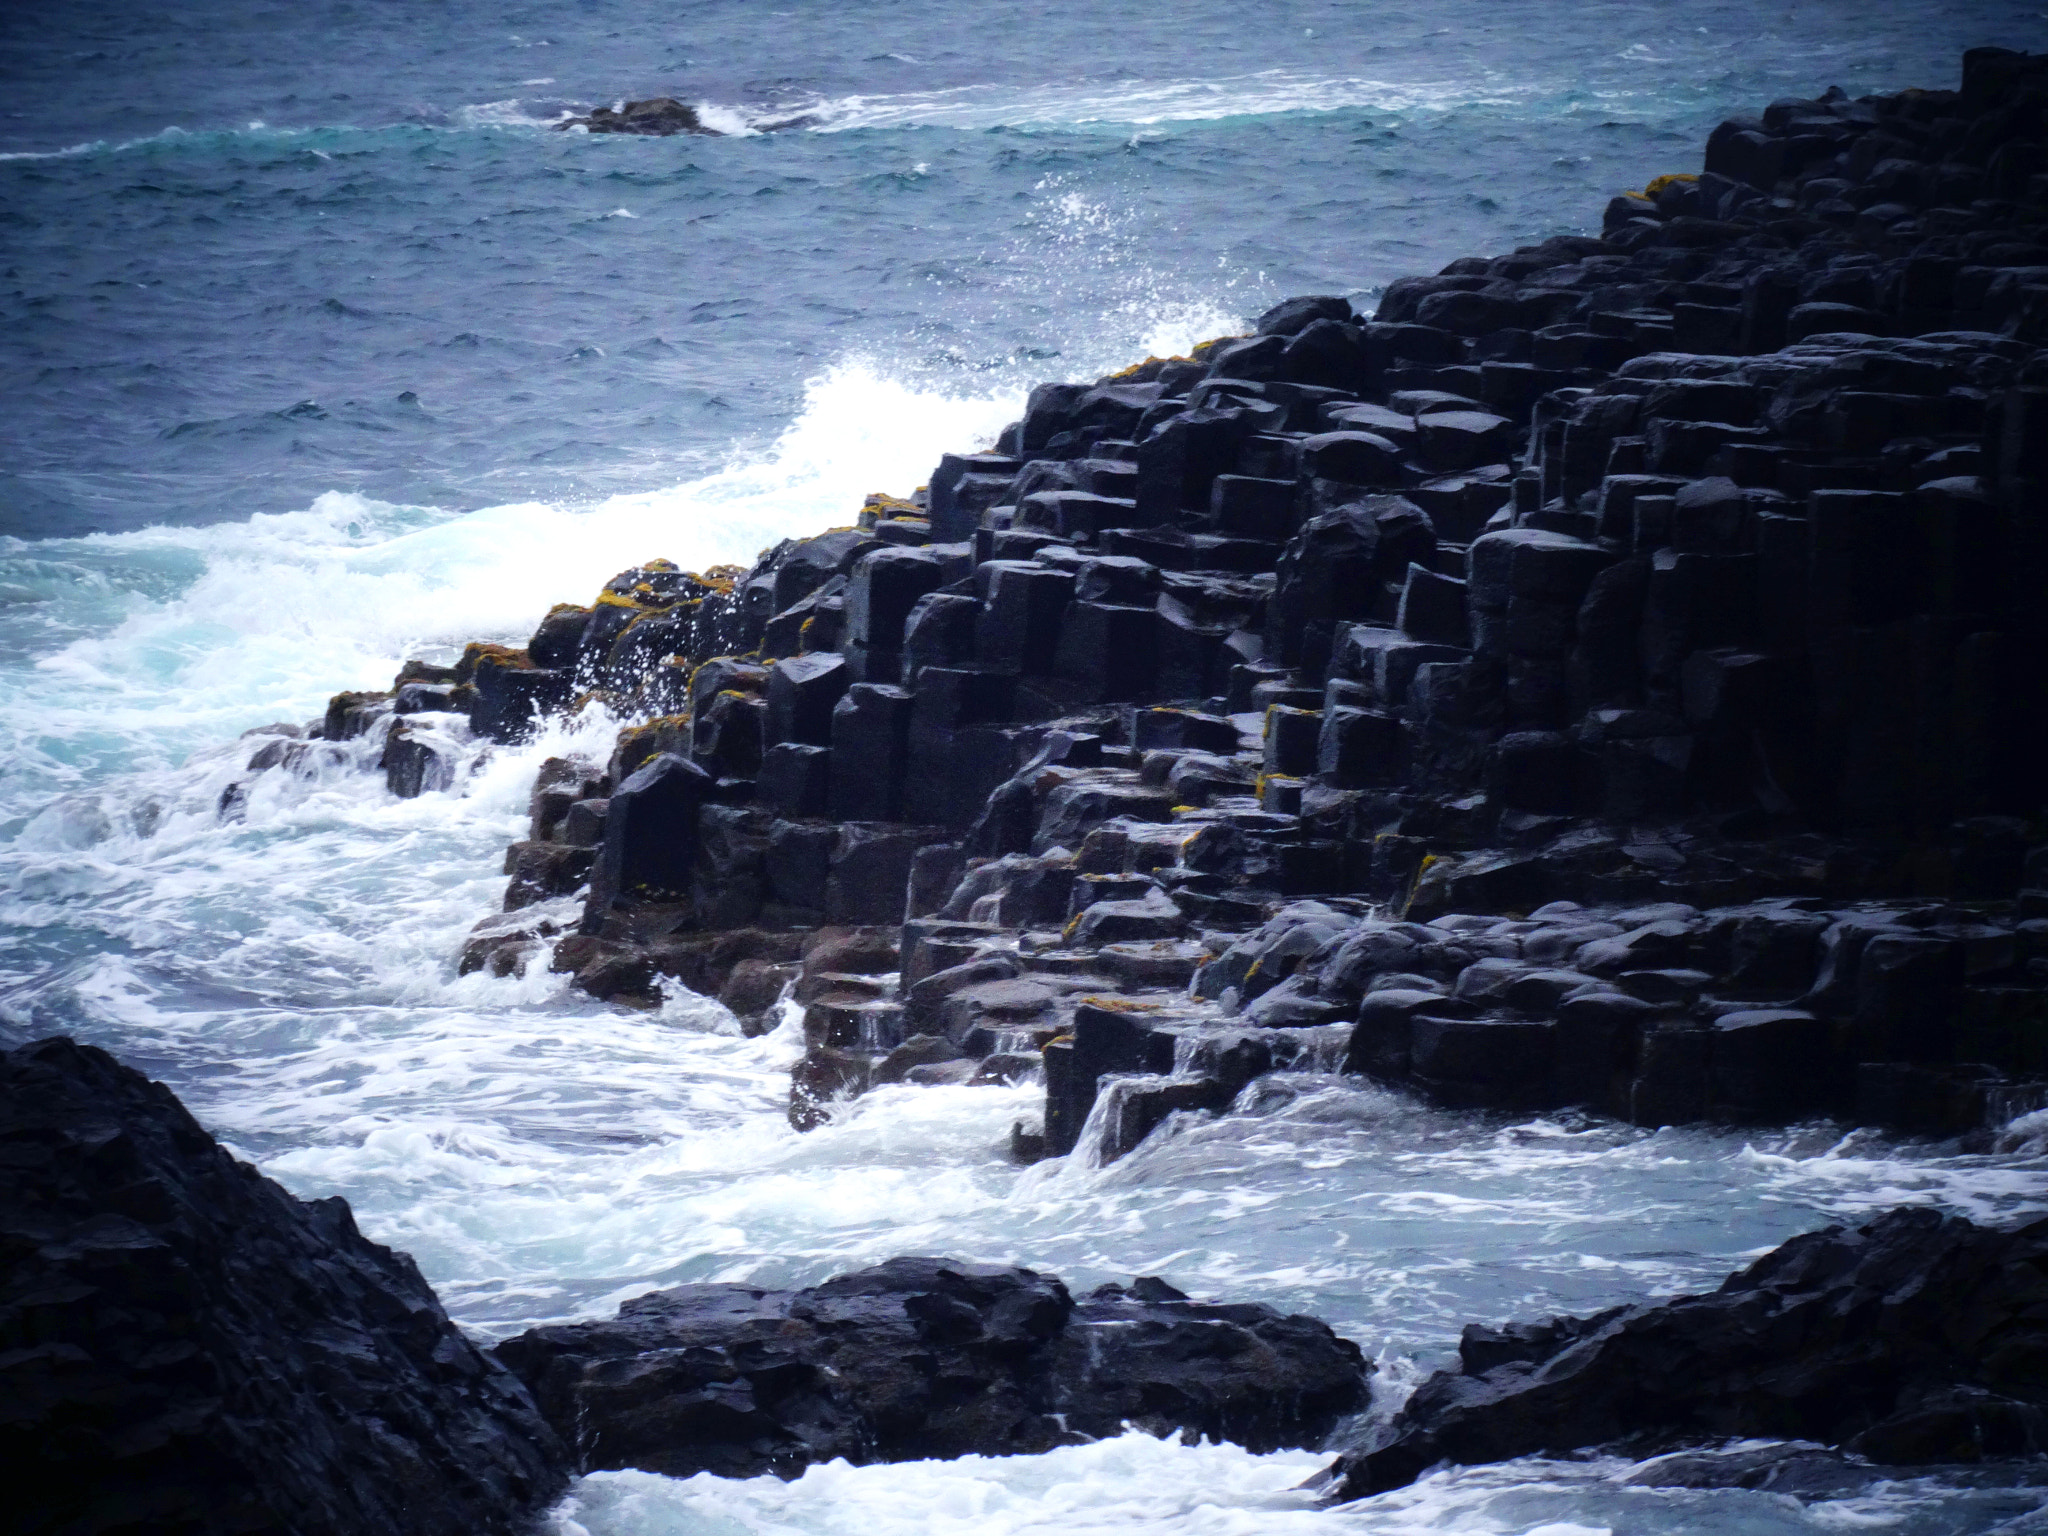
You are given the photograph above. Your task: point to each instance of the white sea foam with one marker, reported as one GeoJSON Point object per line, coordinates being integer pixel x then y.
{"type": "Point", "coordinates": [1129, 1485]}
{"type": "Point", "coordinates": [1079, 103]}
{"type": "Point", "coordinates": [728, 120]}
{"type": "Point", "coordinates": [185, 636]}
{"type": "Point", "coordinates": [1134, 1485]}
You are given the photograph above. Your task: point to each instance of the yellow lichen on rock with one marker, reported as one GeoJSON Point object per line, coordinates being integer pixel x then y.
{"type": "Point", "coordinates": [477, 652]}
{"type": "Point", "coordinates": [720, 578]}
{"type": "Point", "coordinates": [1137, 368]}
{"type": "Point", "coordinates": [1659, 183]}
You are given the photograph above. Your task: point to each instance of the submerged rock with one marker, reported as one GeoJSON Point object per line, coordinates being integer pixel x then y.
{"type": "Point", "coordinates": [1919, 1338]}
{"type": "Point", "coordinates": [184, 1347]}
{"type": "Point", "coordinates": [925, 1357]}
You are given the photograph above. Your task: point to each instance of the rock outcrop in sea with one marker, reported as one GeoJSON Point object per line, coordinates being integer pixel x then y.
{"type": "Point", "coordinates": [1918, 1338]}
{"type": "Point", "coordinates": [654, 115]}
{"type": "Point", "coordinates": [921, 1358]}
{"type": "Point", "coordinates": [1607, 676]}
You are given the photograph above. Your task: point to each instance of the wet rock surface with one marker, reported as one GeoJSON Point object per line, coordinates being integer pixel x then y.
{"type": "Point", "coordinates": [922, 1357]}
{"type": "Point", "coordinates": [1605, 676]}
{"type": "Point", "coordinates": [657, 115]}
{"type": "Point", "coordinates": [1916, 1339]}
{"type": "Point", "coordinates": [1601, 677]}
{"type": "Point", "coordinates": [184, 1347]}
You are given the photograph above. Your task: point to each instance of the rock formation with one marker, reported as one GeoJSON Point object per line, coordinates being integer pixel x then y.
{"type": "Point", "coordinates": [184, 1347]}
{"type": "Point", "coordinates": [1605, 676]}
{"type": "Point", "coordinates": [1608, 675]}
{"type": "Point", "coordinates": [657, 115]}
{"type": "Point", "coordinates": [922, 1358]}
{"type": "Point", "coordinates": [1916, 1339]}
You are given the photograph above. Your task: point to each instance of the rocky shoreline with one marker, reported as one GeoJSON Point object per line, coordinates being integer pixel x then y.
{"type": "Point", "coordinates": [1601, 678]}
{"type": "Point", "coordinates": [187, 1348]}
{"type": "Point", "coordinates": [1607, 676]}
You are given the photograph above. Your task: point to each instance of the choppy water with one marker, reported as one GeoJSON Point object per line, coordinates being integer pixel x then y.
{"type": "Point", "coordinates": [398, 367]}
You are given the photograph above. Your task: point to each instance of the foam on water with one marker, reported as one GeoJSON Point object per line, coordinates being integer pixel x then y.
{"type": "Point", "coordinates": [161, 641]}
{"type": "Point", "coordinates": [1136, 1485]}
{"type": "Point", "coordinates": [1128, 101]}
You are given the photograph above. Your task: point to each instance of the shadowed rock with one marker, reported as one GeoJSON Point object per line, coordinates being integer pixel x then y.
{"type": "Point", "coordinates": [187, 1348]}
{"type": "Point", "coordinates": [924, 1357]}
{"type": "Point", "coordinates": [1918, 1338]}
{"type": "Point", "coordinates": [656, 115]}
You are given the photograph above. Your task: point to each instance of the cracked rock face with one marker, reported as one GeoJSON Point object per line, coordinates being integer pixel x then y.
{"type": "Point", "coordinates": [923, 1357]}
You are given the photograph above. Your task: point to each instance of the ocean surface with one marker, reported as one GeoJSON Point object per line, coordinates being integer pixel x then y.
{"type": "Point", "coordinates": [320, 348]}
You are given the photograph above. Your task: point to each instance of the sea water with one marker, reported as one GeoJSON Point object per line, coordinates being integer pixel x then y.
{"type": "Point", "coordinates": [324, 349]}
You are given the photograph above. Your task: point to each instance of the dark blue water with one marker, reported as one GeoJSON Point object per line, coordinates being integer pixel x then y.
{"type": "Point", "coordinates": [320, 348]}
{"type": "Point", "coordinates": [255, 252]}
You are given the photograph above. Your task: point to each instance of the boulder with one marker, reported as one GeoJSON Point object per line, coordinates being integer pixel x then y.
{"type": "Point", "coordinates": [1333, 570]}
{"type": "Point", "coordinates": [1018, 627]}
{"type": "Point", "coordinates": [824, 1076]}
{"type": "Point", "coordinates": [192, 1350]}
{"type": "Point", "coordinates": [922, 1358]}
{"type": "Point", "coordinates": [870, 749]}
{"type": "Point", "coordinates": [939, 633]}
{"type": "Point", "coordinates": [1291, 316]}
{"type": "Point", "coordinates": [870, 877]}
{"type": "Point", "coordinates": [1918, 1338]}
{"type": "Point", "coordinates": [1457, 440]}
{"type": "Point", "coordinates": [511, 694]}
{"type": "Point", "coordinates": [884, 586]}
{"type": "Point", "coordinates": [1152, 916]}
{"type": "Point", "coordinates": [542, 870]}
{"type": "Point", "coordinates": [796, 780]}
{"type": "Point", "coordinates": [917, 1051]}
{"type": "Point", "coordinates": [416, 761]}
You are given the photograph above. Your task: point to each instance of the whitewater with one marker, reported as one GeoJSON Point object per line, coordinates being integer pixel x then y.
{"type": "Point", "coordinates": [292, 403]}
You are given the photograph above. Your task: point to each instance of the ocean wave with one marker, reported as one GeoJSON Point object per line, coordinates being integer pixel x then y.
{"type": "Point", "coordinates": [498, 116]}
{"type": "Point", "coordinates": [155, 642]}
{"type": "Point", "coordinates": [1079, 104]}
{"type": "Point", "coordinates": [1135, 1485]}
{"type": "Point", "coordinates": [1140, 102]}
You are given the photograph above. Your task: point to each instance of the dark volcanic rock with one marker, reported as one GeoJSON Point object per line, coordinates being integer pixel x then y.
{"type": "Point", "coordinates": [1604, 572]}
{"type": "Point", "coordinates": [655, 115]}
{"type": "Point", "coordinates": [184, 1347]}
{"type": "Point", "coordinates": [1918, 1338]}
{"type": "Point", "coordinates": [923, 1357]}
